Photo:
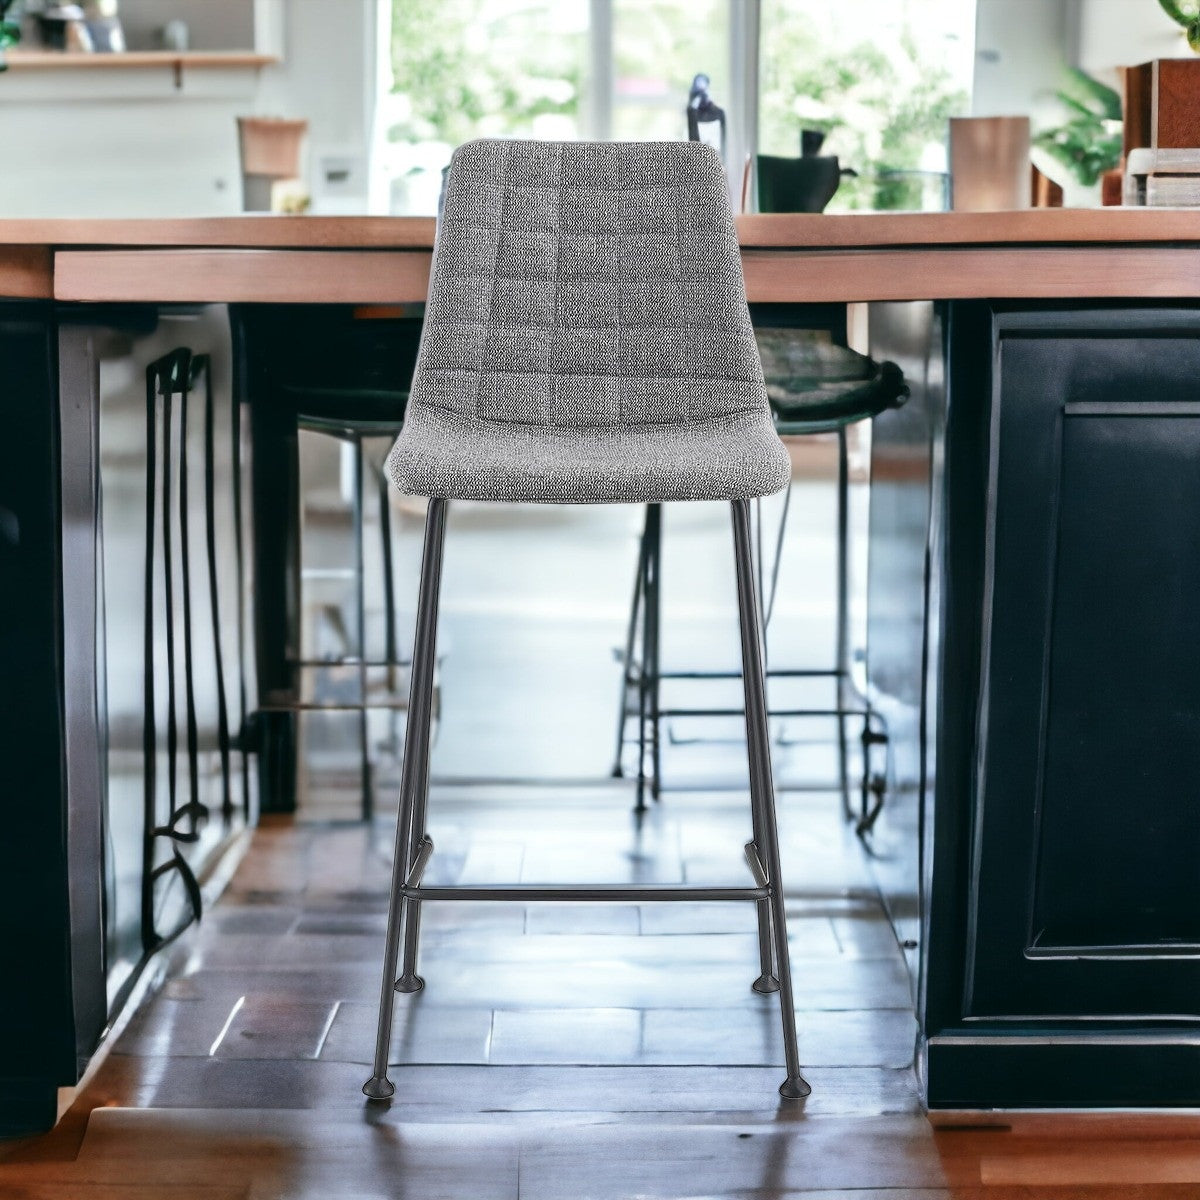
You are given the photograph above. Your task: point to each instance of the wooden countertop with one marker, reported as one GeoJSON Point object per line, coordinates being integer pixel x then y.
{"type": "Point", "coordinates": [246, 232]}
{"type": "Point", "coordinates": [777, 230]}
{"type": "Point", "coordinates": [1049, 253]}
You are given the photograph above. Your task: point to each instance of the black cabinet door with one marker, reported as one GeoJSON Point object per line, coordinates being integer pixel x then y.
{"type": "Point", "coordinates": [1085, 835]}
{"type": "Point", "coordinates": [37, 1020]}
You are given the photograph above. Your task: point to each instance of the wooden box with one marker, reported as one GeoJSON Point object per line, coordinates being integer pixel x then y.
{"type": "Point", "coordinates": [1162, 105]}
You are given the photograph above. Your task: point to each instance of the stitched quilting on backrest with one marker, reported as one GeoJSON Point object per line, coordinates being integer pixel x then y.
{"type": "Point", "coordinates": [587, 284]}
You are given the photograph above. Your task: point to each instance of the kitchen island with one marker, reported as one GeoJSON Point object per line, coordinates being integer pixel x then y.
{"type": "Point", "coordinates": [1034, 555]}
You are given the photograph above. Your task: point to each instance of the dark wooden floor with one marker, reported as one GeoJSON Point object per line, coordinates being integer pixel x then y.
{"type": "Point", "coordinates": [557, 1051]}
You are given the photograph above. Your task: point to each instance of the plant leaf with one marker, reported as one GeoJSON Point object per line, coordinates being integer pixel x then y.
{"type": "Point", "coordinates": [1109, 99]}
{"type": "Point", "coordinates": [1175, 12]}
{"type": "Point", "coordinates": [1078, 105]}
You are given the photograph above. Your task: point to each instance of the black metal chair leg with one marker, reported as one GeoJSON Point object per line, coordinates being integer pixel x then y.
{"type": "Point", "coordinates": [360, 605]}
{"type": "Point", "coordinates": [843, 618]}
{"type": "Point", "coordinates": [214, 591]}
{"type": "Point", "coordinates": [635, 606]}
{"type": "Point", "coordinates": [762, 795]}
{"type": "Point", "coordinates": [413, 789]}
{"type": "Point", "coordinates": [391, 649]}
{"type": "Point", "coordinates": [409, 980]}
{"type": "Point", "coordinates": [652, 656]}
{"type": "Point", "coordinates": [191, 724]}
{"type": "Point", "coordinates": [643, 674]}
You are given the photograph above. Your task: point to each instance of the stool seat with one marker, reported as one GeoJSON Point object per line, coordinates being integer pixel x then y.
{"type": "Point", "coordinates": [587, 338]}
{"type": "Point", "coordinates": [362, 410]}
{"type": "Point", "coordinates": [817, 387]}
{"type": "Point", "coordinates": [455, 457]}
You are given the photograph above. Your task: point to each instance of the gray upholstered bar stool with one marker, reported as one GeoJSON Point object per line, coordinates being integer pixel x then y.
{"type": "Point", "coordinates": [586, 341]}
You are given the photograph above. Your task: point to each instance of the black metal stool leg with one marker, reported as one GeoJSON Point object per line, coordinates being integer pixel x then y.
{"type": "Point", "coordinates": [762, 793]}
{"type": "Point", "coordinates": [643, 674]}
{"type": "Point", "coordinates": [635, 607]}
{"type": "Point", "coordinates": [413, 786]}
{"type": "Point", "coordinates": [651, 654]}
{"type": "Point", "coordinates": [843, 618]}
{"type": "Point", "coordinates": [419, 839]}
{"type": "Point", "coordinates": [419, 842]}
{"type": "Point", "coordinates": [391, 652]}
{"type": "Point", "coordinates": [360, 617]}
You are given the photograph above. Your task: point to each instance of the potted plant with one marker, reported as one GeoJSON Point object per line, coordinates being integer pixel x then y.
{"type": "Point", "coordinates": [1088, 143]}
{"type": "Point", "coordinates": [1187, 14]}
{"type": "Point", "coordinates": [10, 31]}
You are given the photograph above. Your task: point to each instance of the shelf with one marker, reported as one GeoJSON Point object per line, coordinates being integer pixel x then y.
{"type": "Point", "coordinates": [40, 60]}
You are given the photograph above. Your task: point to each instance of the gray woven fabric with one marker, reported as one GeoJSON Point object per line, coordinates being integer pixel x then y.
{"type": "Point", "coordinates": [586, 338]}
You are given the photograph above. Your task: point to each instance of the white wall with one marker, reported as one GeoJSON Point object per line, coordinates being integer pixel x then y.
{"type": "Point", "coordinates": [128, 142]}
{"type": "Point", "coordinates": [1021, 47]}
{"type": "Point", "coordinates": [212, 24]}
{"type": "Point", "coordinates": [121, 142]}
{"type": "Point", "coordinates": [328, 75]}
{"type": "Point", "coordinates": [1114, 33]}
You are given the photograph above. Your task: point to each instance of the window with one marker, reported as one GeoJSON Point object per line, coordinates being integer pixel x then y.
{"type": "Point", "coordinates": [658, 47]}
{"type": "Point", "coordinates": [879, 76]}
{"type": "Point", "coordinates": [477, 68]}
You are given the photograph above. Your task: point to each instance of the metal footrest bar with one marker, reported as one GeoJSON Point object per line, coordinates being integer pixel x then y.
{"type": "Point", "coordinates": [772, 673]}
{"type": "Point", "coordinates": [775, 712]}
{"type": "Point", "coordinates": [350, 660]}
{"type": "Point", "coordinates": [631, 681]}
{"type": "Point", "coordinates": [396, 705]}
{"type": "Point", "coordinates": [599, 893]}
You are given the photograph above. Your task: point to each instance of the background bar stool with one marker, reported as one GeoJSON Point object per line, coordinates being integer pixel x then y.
{"type": "Point", "coordinates": [814, 387]}
{"type": "Point", "coordinates": [330, 698]}
{"type": "Point", "coordinates": [586, 341]}
{"type": "Point", "coordinates": [353, 417]}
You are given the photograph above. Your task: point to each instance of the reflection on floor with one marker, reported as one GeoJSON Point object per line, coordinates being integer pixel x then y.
{"type": "Point", "coordinates": [535, 602]}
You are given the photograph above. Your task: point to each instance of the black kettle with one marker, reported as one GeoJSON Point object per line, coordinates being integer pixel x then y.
{"type": "Point", "coordinates": [804, 184]}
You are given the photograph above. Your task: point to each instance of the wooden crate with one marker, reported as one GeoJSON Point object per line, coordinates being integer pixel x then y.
{"type": "Point", "coordinates": [1162, 104]}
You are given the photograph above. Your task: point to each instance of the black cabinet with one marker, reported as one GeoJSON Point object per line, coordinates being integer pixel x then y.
{"type": "Point", "coordinates": [1064, 959]}
{"type": "Point", "coordinates": [906, 472]}
{"type": "Point", "coordinates": [37, 1020]}
{"type": "Point", "coordinates": [122, 635]}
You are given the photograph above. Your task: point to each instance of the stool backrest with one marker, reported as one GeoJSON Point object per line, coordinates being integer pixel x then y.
{"type": "Point", "coordinates": [584, 284]}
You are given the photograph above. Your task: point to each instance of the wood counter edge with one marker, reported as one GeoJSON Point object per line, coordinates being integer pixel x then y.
{"type": "Point", "coordinates": [779, 231]}
{"type": "Point", "coordinates": [1042, 226]}
{"type": "Point", "coordinates": [26, 273]}
{"type": "Point", "coordinates": [817, 276]}
{"type": "Point", "coordinates": [267, 276]}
